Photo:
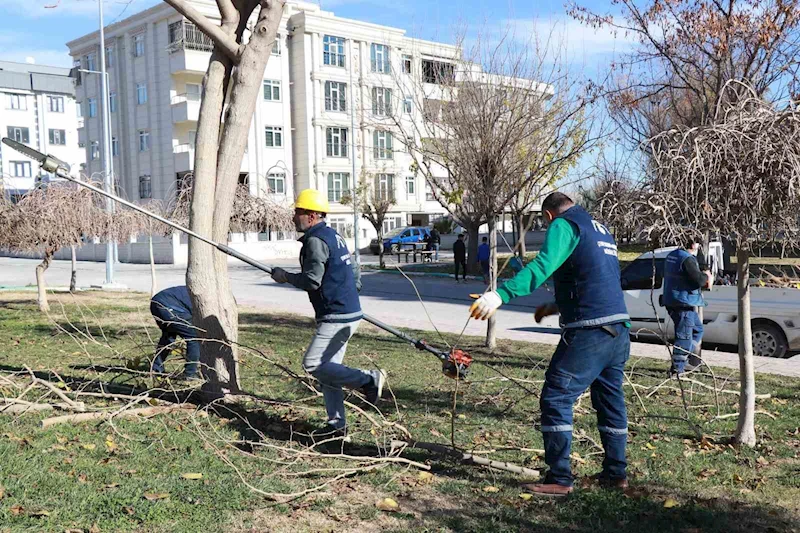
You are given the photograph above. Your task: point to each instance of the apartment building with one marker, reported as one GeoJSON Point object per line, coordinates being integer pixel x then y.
{"type": "Point", "coordinates": [38, 108]}
{"type": "Point", "coordinates": [155, 62]}
{"type": "Point", "coordinates": [322, 121]}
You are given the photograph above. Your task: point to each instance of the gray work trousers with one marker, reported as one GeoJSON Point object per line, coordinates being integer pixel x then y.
{"type": "Point", "coordinates": [323, 360]}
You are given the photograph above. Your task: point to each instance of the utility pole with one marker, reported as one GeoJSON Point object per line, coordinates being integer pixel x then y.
{"type": "Point", "coordinates": [353, 58]}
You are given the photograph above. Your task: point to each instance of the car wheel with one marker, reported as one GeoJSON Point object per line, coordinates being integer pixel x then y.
{"type": "Point", "coordinates": [768, 340]}
{"type": "Point", "coordinates": [395, 248]}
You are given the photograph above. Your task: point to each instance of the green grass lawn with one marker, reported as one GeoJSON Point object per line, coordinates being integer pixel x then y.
{"type": "Point", "coordinates": [128, 475]}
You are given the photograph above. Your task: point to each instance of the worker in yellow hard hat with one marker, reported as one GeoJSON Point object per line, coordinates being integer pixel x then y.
{"type": "Point", "coordinates": [332, 280]}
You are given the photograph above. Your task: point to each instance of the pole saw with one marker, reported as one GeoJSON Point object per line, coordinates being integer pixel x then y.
{"type": "Point", "coordinates": [455, 362]}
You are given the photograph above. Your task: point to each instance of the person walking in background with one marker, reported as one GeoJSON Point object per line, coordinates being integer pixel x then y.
{"type": "Point", "coordinates": [435, 242]}
{"type": "Point", "coordinates": [460, 256]}
{"type": "Point", "coordinates": [484, 253]}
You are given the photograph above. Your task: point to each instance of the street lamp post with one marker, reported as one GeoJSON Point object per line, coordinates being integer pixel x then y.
{"type": "Point", "coordinates": [353, 155]}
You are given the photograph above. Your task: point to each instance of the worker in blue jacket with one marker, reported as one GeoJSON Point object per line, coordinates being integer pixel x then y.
{"type": "Point", "coordinates": [172, 311]}
{"type": "Point", "coordinates": [683, 283]}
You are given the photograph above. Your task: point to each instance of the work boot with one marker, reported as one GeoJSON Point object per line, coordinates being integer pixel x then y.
{"type": "Point", "coordinates": [693, 363]}
{"type": "Point", "coordinates": [548, 489]}
{"type": "Point", "coordinates": [373, 390]}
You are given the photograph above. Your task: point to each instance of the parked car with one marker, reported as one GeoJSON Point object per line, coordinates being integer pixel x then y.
{"type": "Point", "coordinates": [393, 241]}
{"type": "Point", "coordinates": [775, 312]}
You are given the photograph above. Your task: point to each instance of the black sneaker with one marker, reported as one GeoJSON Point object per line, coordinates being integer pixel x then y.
{"type": "Point", "coordinates": [693, 363]}
{"type": "Point", "coordinates": [373, 390]}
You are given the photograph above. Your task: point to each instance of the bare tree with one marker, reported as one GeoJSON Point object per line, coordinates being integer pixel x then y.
{"type": "Point", "coordinates": [738, 177]}
{"type": "Point", "coordinates": [374, 203]}
{"type": "Point", "coordinates": [153, 228]}
{"type": "Point", "coordinates": [502, 120]}
{"type": "Point", "coordinates": [230, 91]}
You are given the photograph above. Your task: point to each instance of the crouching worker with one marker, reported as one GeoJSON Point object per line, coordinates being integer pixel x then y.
{"type": "Point", "coordinates": [332, 279]}
{"type": "Point", "coordinates": [172, 311]}
{"type": "Point", "coordinates": [581, 256]}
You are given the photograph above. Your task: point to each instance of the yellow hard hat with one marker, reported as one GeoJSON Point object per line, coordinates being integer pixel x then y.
{"type": "Point", "coordinates": [313, 200]}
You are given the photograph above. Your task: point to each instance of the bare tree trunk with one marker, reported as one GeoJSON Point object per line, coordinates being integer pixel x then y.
{"type": "Point", "coordinates": [472, 247]}
{"type": "Point", "coordinates": [73, 278]}
{"type": "Point", "coordinates": [381, 262]}
{"type": "Point", "coordinates": [522, 232]}
{"type": "Point", "coordinates": [491, 327]}
{"type": "Point", "coordinates": [745, 430]}
{"type": "Point", "coordinates": [40, 287]}
{"type": "Point", "coordinates": [216, 177]}
{"type": "Point", "coordinates": [153, 285]}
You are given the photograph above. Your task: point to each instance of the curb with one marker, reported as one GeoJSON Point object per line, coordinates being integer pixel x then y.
{"type": "Point", "coordinates": [422, 274]}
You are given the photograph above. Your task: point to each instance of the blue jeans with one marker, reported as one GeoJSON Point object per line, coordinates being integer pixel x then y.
{"type": "Point", "coordinates": [688, 336]}
{"type": "Point", "coordinates": [172, 325]}
{"type": "Point", "coordinates": [586, 358]}
{"type": "Point", "coordinates": [436, 251]}
{"type": "Point", "coordinates": [323, 360]}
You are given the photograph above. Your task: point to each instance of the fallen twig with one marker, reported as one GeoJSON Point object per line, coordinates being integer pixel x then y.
{"type": "Point", "coordinates": [132, 413]}
{"type": "Point", "coordinates": [466, 458]}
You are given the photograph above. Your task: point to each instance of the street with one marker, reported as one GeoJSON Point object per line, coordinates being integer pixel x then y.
{"type": "Point", "coordinates": [388, 297]}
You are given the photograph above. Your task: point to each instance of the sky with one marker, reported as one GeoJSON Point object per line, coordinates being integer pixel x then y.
{"type": "Point", "coordinates": [41, 28]}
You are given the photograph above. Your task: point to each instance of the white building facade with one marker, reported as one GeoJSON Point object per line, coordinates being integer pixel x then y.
{"type": "Point", "coordinates": [38, 108]}
{"type": "Point", "coordinates": [321, 121]}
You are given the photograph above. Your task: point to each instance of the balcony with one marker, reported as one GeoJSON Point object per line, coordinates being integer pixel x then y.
{"type": "Point", "coordinates": [185, 108]}
{"type": "Point", "coordinates": [189, 48]}
{"type": "Point", "coordinates": [184, 157]}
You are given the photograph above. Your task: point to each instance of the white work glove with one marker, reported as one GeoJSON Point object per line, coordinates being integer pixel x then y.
{"type": "Point", "coordinates": [485, 306]}
{"type": "Point", "coordinates": [279, 275]}
{"type": "Point", "coordinates": [544, 311]}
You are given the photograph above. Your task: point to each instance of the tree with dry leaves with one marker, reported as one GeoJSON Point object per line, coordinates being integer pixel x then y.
{"type": "Point", "coordinates": [738, 177]}
{"type": "Point", "coordinates": [47, 219]}
{"type": "Point", "coordinates": [242, 40]}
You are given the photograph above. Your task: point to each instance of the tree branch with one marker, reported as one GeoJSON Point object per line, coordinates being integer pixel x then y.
{"type": "Point", "coordinates": [230, 47]}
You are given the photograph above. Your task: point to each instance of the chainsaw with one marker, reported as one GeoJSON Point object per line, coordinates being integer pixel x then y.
{"type": "Point", "coordinates": [455, 362]}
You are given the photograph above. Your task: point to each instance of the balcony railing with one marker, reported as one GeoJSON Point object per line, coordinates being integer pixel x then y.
{"type": "Point", "coordinates": [184, 35]}
{"type": "Point", "coordinates": [184, 97]}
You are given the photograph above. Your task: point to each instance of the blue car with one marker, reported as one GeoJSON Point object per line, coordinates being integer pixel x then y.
{"type": "Point", "coordinates": [393, 241]}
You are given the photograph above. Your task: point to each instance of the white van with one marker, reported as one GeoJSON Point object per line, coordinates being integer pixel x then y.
{"type": "Point", "coordinates": [775, 312]}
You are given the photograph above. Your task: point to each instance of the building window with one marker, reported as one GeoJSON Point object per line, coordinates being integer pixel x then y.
{"type": "Point", "coordinates": [336, 140]}
{"type": "Point", "coordinates": [55, 104]}
{"type": "Point", "coordinates": [341, 226]}
{"type": "Point", "coordinates": [384, 186]}
{"type": "Point", "coordinates": [94, 150]}
{"type": "Point", "coordinates": [112, 102]}
{"type": "Point", "coordinates": [192, 137]}
{"type": "Point", "coordinates": [92, 107]}
{"type": "Point", "coordinates": [20, 169]}
{"type": "Point", "coordinates": [406, 64]}
{"type": "Point", "coordinates": [333, 51]}
{"type": "Point", "coordinates": [58, 137]}
{"type": "Point", "coordinates": [391, 223]}
{"type": "Point", "coordinates": [338, 185]}
{"type": "Point", "coordinates": [17, 101]}
{"type": "Point", "coordinates": [410, 186]}
{"type": "Point", "coordinates": [79, 109]}
{"type": "Point", "coordinates": [91, 62]}
{"type": "Point", "coordinates": [145, 189]}
{"type": "Point", "coordinates": [437, 72]}
{"type": "Point", "coordinates": [382, 144]}
{"type": "Point", "coordinates": [276, 46]}
{"type": "Point", "coordinates": [335, 96]}
{"type": "Point", "coordinates": [141, 93]}
{"type": "Point", "coordinates": [407, 105]}
{"type": "Point", "coordinates": [193, 91]}
{"type": "Point", "coordinates": [381, 102]}
{"type": "Point", "coordinates": [21, 135]}
{"type": "Point", "coordinates": [379, 58]}
{"type": "Point", "coordinates": [428, 194]}
{"type": "Point", "coordinates": [274, 136]}
{"type": "Point", "coordinates": [144, 140]}
{"type": "Point", "coordinates": [276, 183]}
{"type": "Point", "coordinates": [109, 56]}
{"type": "Point", "coordinates": [114, 147]}
{"type": "Point", "coordinates": [272, 90]}
{"type": "Point", "coordinates": [138, 45]}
